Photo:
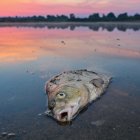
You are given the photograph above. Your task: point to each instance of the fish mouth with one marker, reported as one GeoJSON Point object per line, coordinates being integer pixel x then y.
{"type": "Point", "coordinates": [67, 114]}
{"type": "Point", "coordinates": [64, 115]}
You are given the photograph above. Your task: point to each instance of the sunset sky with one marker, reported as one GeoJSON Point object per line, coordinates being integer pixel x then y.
{"type": "Point", "coordinates": [79, 7]}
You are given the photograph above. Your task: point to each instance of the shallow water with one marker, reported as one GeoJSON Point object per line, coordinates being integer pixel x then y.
{"type": "Point", "coordinates": [30, 55]}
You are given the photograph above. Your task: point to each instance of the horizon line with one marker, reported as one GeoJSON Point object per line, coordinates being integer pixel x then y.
{"type": "Point", "coordinates": [100, 14]}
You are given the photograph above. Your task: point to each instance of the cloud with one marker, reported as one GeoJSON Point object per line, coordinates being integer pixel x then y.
{"type": "Point", "coordinates": [85, 7]}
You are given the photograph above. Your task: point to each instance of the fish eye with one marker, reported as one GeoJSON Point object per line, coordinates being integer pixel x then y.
{"type": "Point", "coordinates": [61, 95]}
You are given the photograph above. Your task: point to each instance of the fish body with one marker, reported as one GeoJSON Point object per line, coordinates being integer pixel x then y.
{"type": "Point", "coordinates": [69, 92]}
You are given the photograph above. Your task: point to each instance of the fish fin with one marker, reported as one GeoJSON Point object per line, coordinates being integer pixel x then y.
{"type": "Point", "coordinates": [48, 113]}
{"type": "Point", "coordinates": [97, 82]}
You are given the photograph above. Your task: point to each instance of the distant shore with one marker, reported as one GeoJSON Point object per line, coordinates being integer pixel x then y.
{"type": "Point", "coordinates": [134, 23]}
{"type": "Point", "coordinates": [102, 22]}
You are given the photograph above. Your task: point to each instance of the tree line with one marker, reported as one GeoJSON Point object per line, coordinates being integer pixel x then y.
{"type": "Point", "coordinates": [95, 17]}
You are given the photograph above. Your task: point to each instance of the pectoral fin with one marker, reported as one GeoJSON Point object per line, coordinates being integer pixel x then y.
{"type": "Point", "coordinates": [97, 82]}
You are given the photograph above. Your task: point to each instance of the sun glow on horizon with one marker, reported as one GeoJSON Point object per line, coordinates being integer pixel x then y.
{"type": "Point", "coordinates": [79, 7]}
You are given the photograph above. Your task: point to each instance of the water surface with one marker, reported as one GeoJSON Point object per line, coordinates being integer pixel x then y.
{"type": "Point", "coordinates": [31, 55]}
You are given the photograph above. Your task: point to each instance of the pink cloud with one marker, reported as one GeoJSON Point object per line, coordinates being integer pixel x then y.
{"type": "Point", "coordinates": [84, 7]}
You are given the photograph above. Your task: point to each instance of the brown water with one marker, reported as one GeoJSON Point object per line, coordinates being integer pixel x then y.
{"type": "Point", "coordinates": [30, 55]}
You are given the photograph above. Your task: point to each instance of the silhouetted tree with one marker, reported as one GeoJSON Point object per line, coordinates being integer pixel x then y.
{"type": "Point", "coordinates": [62, 18]}
{"type": "Point", "coordinates": [110, 17]}
{"type": "Point", "coordinates": [103, 18]}
{"type": "Point", "coordinates": [136, 17]}
{"type": "Point", "coordinates": [94, 17]}
{"type": "Point", "coordinates": [72, 17]}
{"type": "Point", "coordinates": [51, 18]}
{"type": "Point", "coordinates": [123, 17]}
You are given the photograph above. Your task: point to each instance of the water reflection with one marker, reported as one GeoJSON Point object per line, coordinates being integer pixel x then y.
{"type": "Point", "coordinates": [31, 56]}
{"type": "Point", "coordinates": [72, 26]}
{"type": "Point", "coordinates": [27, 44]}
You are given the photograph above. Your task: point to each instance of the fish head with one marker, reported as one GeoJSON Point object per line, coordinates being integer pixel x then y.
{"type": "Point", "coordinates": [66, 102]}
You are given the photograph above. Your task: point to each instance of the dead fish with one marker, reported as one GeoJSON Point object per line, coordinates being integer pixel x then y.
{"type": "Point", "coordinates": [69, 92]}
